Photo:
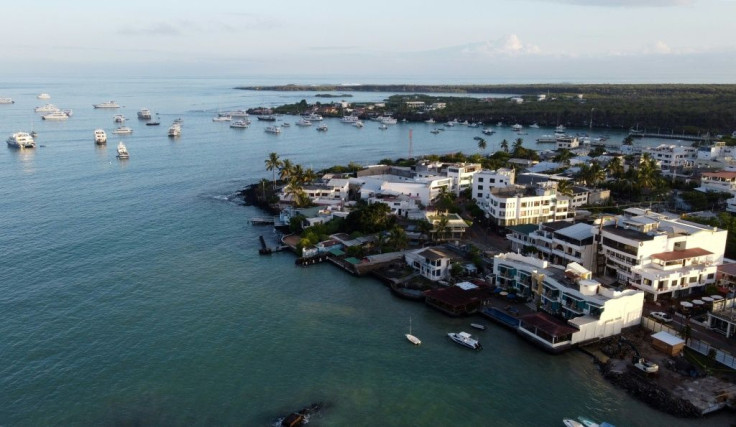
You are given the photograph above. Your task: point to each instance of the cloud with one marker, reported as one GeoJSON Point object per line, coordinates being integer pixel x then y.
{"type": "Point", "coordinates": [509, 45]}
{"type": "Point", "coordinates": [625, 3]}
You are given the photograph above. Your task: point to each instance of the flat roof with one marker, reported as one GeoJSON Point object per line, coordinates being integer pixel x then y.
{"type": "Point", "coordinates": [668, 338]}
{"type": "Point", "coordinates": [577, 231]}
{"type": "Point", "coordinates": [627, 233]}
{"type": "Point", "coordinates": [729, 269]}
{"type": "Point", "coordinates": [524, 229]}
{"type": "Point", "coordinates": [722, 174]}
{"type": "Point", "coordinates": [684, 254]}
{"type": "Point", "coordinates": [547, 324]}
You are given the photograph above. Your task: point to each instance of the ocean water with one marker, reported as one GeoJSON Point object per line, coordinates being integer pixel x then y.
{"type": "Point", "coordinates": [132, 292]}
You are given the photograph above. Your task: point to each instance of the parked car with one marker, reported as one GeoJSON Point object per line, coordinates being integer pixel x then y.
{"type": "Point", "coordinates": [661, 316]}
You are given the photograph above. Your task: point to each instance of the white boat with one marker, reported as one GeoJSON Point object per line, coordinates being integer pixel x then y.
{"type": "Point", "coordinates": [499, 124]}
{"type": "Point", "coordinates": [285, 125]}
{"type": "Point", "coordinates": [488, 131]}
{"type": "Point", "coordinates": [122, 151]}
{"type": "Point", "coordinates": [7, 101]}
{"type": "Point", "coordinates": [100, 137]}
{"type": "Point", "coordinates": [175, 130]}
{"type": "Point", "coordinates": [123, 130]}
{"type": "Point", "coordinates": [322, 128]}
{"type": "Point", "coordinates": [119, 118]}
{"type": "Point", "coordinates": [547, 139]}
{"type": "Point", "coordinates": [430, 121]}
{"type": "Point", "coordinates": [303, 122]}
{"type": "Point", "coordinates": [534, 126]}
{"type": "Point", "coordinates": [383, 126]}
{"type": "Point", "coordinates": [569, 422]}
{"type": "Point", "coordinates": [144, 114]}
{"type": "Point", "coordinates": [55, 116]}
{"type": "Point", "coordinates": [587, 422]}
{"type": "Point", "coordinates": [349, 119]}
{"type": "Point", "coordinates": [517, 127]}
{"type": "Point", "coordinates": [222, 118]}
{"type": "Point", "coordinates": [43, 96]}
{"type": "Point", "coordinates": [388, 120]}
{"type": "Point", "coordinates": [646, 365]}
{"type": "Point", "coordinates": [21, 140]}
{"type": "Point", "coordinates": [314, 117]}
{"type": "Point", "coordinates": [108, 104]}
{"type": "Point", "coordinates": [479, 326]}
{"type": "Point", "coordinates": [358, 124]}
{"type": "Point", "coordinates": [273, 129]}
{"type": "Point", "coordinates": [412, 339]}
{"type": "Point", "coordinates": [560, 129]}
{"type": "Point", "coordinates": [48, 108]}
{"type": "Point", "coordinates": [240, 124]}
{"type": "Point", "coordinates": [465, 339]}
{"type": "Point", "coordinates": [435, 131]}
{"type": "Point", "coordinates": [236, 113]}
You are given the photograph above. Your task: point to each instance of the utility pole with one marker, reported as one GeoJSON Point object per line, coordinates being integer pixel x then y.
{"type": "Point", "coordinates": [591, 119]}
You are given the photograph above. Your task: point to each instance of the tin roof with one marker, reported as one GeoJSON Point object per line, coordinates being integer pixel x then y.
{"type": "Point", "coordinates": [684, 254]}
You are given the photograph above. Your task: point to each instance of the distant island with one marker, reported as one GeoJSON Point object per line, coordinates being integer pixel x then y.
{"type": "Point", "coordinates": [677, 109]}
{"type": "Point", "coordinates": [331, 95]}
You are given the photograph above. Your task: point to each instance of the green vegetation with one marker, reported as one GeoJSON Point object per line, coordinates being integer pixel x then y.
{"type": "Point", "coordinates": [725, 221]}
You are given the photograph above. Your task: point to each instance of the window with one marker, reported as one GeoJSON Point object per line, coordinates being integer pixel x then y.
{"type": "Point", "coordinates": [492, 180]}
{"type": "Point", "coordinates": [480, 179]}
{"type": "Point", "coordinates": [480, 188]}
{"type": "Point", "coordinates": [480, 195]}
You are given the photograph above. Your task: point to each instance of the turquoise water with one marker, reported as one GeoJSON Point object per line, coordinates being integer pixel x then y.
{"type": "Point", "coordinates": [132, 291]}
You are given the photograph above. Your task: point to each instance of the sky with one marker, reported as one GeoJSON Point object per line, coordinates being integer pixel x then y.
{"type": "Point", "coordinates": [428, 41]}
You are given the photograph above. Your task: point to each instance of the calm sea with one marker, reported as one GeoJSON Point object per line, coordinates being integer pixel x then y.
{"type": "Point", "coordinates": [132, 292]}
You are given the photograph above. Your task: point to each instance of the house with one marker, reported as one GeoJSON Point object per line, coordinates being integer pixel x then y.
{"type": "Point", "coordinates": [462, 175]}
{"type": "Point", "coordinates": [558, 242]}
{"type": "Point", "coordinates": [484, 181]}
{"type": "Point", "coordinates": [431, 263]}
{"type": "Point", "coordinates": [414, 104]}
{"type": "Point", "coordinates": [660, 254]}
{"type": "Point", "coordinates": [567, 142]}
{"type": "Point", "coordinates": [672, 156]}
{"type": "Point", "coordinates": [454, 228]}
{"type": "Point", "coordinates": [462, 299]}
{"type": "Point", "coordinates": [515, 205]}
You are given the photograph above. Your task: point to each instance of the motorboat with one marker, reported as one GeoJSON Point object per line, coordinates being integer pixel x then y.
{"type": "Point", "coordinates": [48, 108]}
{"type": "Point", "coordinates": [273, 129]}
{"type": "Point", "coordinates": [383, 126]}
{"type": "Point", "coordinates": [478, 326]}
{"type": "Point", "coordinates": [7, 101]}
{"type": "Point", "coordinates": [239, 124]}
{"type": "Point", "coordinates": [119, 118]}
{"type": "Point", "coordinates": [144, 114]}
{"type": "Point", "coordinates": [237, 113]}
{"type": "Point", "coordinates": [156, 123]}
{"type": "Point", "coordinates": [122, 151]}
{"type": "Point", "coordinates": [412, 339]}
{"type": "Point", "coordinates": [358, 124]}
{"type": "Point", "coordinates": [517, 127]}
{"type": "Point", "coordinates": [21, 140]}
{"type": "Point", "coordinates": [303, 122]}
{"type": "Point", "coordinates": [100, 137]}
{"type": "Point", "coordinates": [430, 121]}
{"type": "Point", "coordinates": [267, 118]}
{"type": "Point", "coordinates": [175, 130]}
{"type": "Point", "coordinates": [123, 130]}
{"type": "Point", "coordinates": [569, 422]}
{"type": "Point", "coordinates": [646, 365]}
{"type": "Point", "coordinates": [68, 112]}
{"type": "Point", "coordinates": [488, 131]}
{"type": "Point", "coordinates": [285, 125]}
{"type": "Point", "coordinates": [435, 131]}
{"type": "Point", "coordinates": [499, 124]}
{"type": "Point", "coordinates": [534, 126]}
{"type": "Point", "coordinates": [550, 139]}
{"type": "Point", "coordinates": [450, 124]}
{"type": "Point", "coordinates": [56, 116]}
{"type": "Point", "coordinates": [314, 117]}
{"type": "Point", "coordinates": [349, 119]}
{"type": "Point", "coordinates": [465, 339]}
{"type": "Point", "coordinates": [108, 104]}
{"type": "Point", "coordinates": [222, 118]}
{"type": "Point", "coordinates": [388, 120]}
{"type": "Point", "coordinates": [322, 128]}
{"type": "Point", "coordinates": [560, 129]}
{"type": "Point", "coordinates": [43, 96]}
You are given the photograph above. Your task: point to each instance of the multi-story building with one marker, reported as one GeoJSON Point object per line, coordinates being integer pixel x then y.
{"type": "Point", "coordinates": [722, 181]}
{"type": "Point", "coordinates": [672, 156]}
{"type": "Point", "coordinates": [486, 180]}
{"type": "Point", "coordinates": [431, 263]}
{"type": "Point", "coordinates": [559, 242]}
{"type": "Point", "coordinates": [660, 254]}
{"type": "Point", "coordinates": [462, 175]}
{"type": "Point", "coordinates": [594, 310]}
{"type": "Point", "coordinates": [515, 205]}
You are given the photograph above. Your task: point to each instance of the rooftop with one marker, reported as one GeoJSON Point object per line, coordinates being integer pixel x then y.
{"type": "Point", "coordinates": [524, 229]}
{"type": "Point", "coordinates": [683, 254]}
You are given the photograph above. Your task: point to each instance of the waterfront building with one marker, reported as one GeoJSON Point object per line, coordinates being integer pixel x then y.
{"type": "Point", "coordinates": [722, 181]}
{"type": "Point", "coordinates": [722, 317]}
{"type": "Point", "coordinates": [423, 190]}
{"type": "Point", "coordinates": [414, 104]}
{"type": "Point", "coordinates": [592, 309]}
{"type": "Point", "coordinates": [660, 254]}
{"type": "Point", "coordinates": [400, 205]}
{"type": "Point", "coordinates": [670, 157]}
{"type": "Point", "coordinates": [567, 142]}
{"type": "Point", "coordinates": [462, 175]}
{"type": "Point", "coordinates": [515, 204]}
{"type": "Point", "coordinates": [559, 243]}
{"type": "Point", "coordinates": [461, 299]}
{"type": "Point", "coordinates": [431, 263]}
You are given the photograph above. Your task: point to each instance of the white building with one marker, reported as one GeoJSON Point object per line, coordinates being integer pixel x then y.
{"type": "Point", "coordinates": [672, 156]}
{"type": "Point", "coordinates": [462, 175]}
{"type": "Point", "coordinates": [515, 205]}
{"type": "Point", "coordinates": [718, 181]}
{"type": "Point", "coordinates": [567, 142]}
{"type": "Point", "coordinates": [660, 254]}
{"type": "Point", "coordinates": [596, 311]}
{"type": "Point", "coordinates": [485, 180]}
{"type": "Point", "coordinates": [558, 242]}
{"type": "Point", "coordinates": [423, 190]}
{"type": "Point", "coordinates": [430, 263]}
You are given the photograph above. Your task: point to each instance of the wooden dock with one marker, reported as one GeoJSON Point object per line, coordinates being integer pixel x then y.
{"type": "Point", "coordinates": [262, 220]}
{"type": "Point", "coordinates": [682, 137]}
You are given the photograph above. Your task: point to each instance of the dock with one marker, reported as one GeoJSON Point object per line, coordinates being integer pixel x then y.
{"type": "Point", "coordinates": [682, 137]}
{"type": "Point", "coordinates": [262, 220]}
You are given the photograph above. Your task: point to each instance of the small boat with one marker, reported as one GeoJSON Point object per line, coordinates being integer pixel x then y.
{"type": "Point", "coordinates": [560, 129]}
{"type": "Point", "coordinates": [144, 114]}
{"type": "Point", "coordinates": [237, 113]}
{"type": "Point", "coordinates": [430, 121]}
{"type": "Point", "coordinates": [43, 96]}
{"type": "Point", "coordinates": [465, 339]}
{"type": "Point", "coordinates": [119, 118]}
{"type": "Point", "coordinates": [34, 133]}
{"type": "Point", "coordinates": [517, 127]}
{"type": "Point", "coordinates": [412, 339]}
{"type": "Point", "coordinates": [349, 119]}
{"type": "Point", "coordinates": [479, 326]}
{"type": "Point", "coordinates": [499, 124]}
{"type": "Point", "coordinates": [123, 130]}
{"type": "Point", "coordinates": [488, 131]}
{"type": "Point", "coordinates": [569, 422]}
{"type": "Point", "coordinates": [534, 126]}
{"type": "Point", "coordinates": [68, 112]}
{"type": "Point", "coordinates": [273, 129]}
{"type": "Point", "coordinates": [285, 125]}
{"type": "Point", "coordinates": [435, 131]}
{"type": "Point", "coordinates": [383, 126]}
{"type": "Point", "coordinates": [239, 124]}
{"type": "Point", "coordinates": [267, 118]}
{"type": "Point", "coordinates": [314, 117]}
{"type": "Point", "coordinates": [222, 118]}
{"type": "Point", "coordinates": [100, 137]}
{"type": "Point", "coordinates": [450, 124]}
{"type": "Point", "coordinates": [122, 151]}
{"type": "Point", "coordinates": [108, 104]}
{"type": "Point", "coordinates": [175, 130]}
{"type": "Point", "coordinates": [646, 365]}
{"type": "Point", "coordinates": [587, 422]}
{"type": "Point", "coordinates": [55, 116]}
{"type": "Point", "coordinates": [7, 101]}
{"type": "Point", "coordinates": [388, 120]}
{"type": "Point", "coordinates": [21, 140]}
{"type": "Point", "coordinates": [48, 108]}
{"type": "Point", "coordinates": [322, 128]}
{"type": "Point", "coordinates": [303, 122]}
{"type": "Point", "coordinates": [358, 124]}
{"type": "Point", "coordinates": [156, 123]}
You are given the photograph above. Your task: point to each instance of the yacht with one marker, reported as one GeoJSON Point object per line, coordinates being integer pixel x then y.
{"type": "Point", "coordinates": [388, 120]}
{"type": "Point", "coordinates": [285, 125]}
{"type": "Point", "coordinates": [412, 338]}
{"type": "Point", "coordinates": [48, 108]}
{"type": "Point", "coordinates": [488, 131]}
{"type": "Point", "coordinates": [144, 114]}
{"type": "Point", "coordinates": [175, 130]}
{"type": "Point", "coordinates": [43, 96]}
{"type": "Point", "coordinates": [222, 118]}
{"type": "Point", "coordinates": [100, 137]}
{"type": "Point", "coordinates": [267, 118]}
{"type": "Point", "coordinates": [273, 129]}
{"type": "Point", "coordinates": [358, 124]}
{"type": "Point", "coordinates": [123, 130]}
{"type": "Point", "coordinates": [304, 122]}
{"type": "Point", "coordinates": [119, 118]}
{"type": "Point", "coordinates": [7, 101]}
{"type": "Point", "coordinates": [435, 131]}
{"type": "Point", "coordinates": [560, 129]}
{"type": "Point", "coordinates": [55, 116]}
{"type": "Point", "coordinates": [314, 117]}
{"type": "Point", "coordinates": [237, 113]}
{"type": "Point", "coordinates": [122, 151]}
{"type": "Point", "coordinates": [430, 121]}
{"type": "Point", "coordinates": [465, 339]}
{"type": "Point", "coordinates": [383, 126]}
{"type": "Point", "coordinates": [21, 140]}
{"type": "Point", "coordinates": [322, 127]}
{"type": "Point", "coordinates": [239, 124]}
{"type": "Point", "coordinates": [349, 119]}
{"type": "Point", "coordinates": [534, 126]}
{"type": "Point", "coordinates": [108, 104]}
{"type": "Point", "coordinates": [517, 127]}
{"type": "Point", "coordinates": [450, 124]}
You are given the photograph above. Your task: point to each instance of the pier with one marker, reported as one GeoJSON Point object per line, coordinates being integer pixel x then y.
{"type": "Point", "coordinates": [682, 137]}
{"type": "Point", "coordinates": [262, 220]}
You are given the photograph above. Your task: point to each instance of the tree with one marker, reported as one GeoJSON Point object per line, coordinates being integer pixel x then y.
{"type": "Point", "coordinates": [287, 169]}
{"type": "Point", "coordinates": [482, 144]}
{"type": "Point", "coordinates": [309, 176]}
{"type": "Point", "coordinates": [615, 168]}
{"type": "Point", "coordinates": [398, 238]}
{"type": "Point", "coordinates": [629, 140]}
{"type": "Point", "coordinates": [272, 163]}
{"type": "Point", "coordinates": [517, 146]}
{"type": "Point", "coordinates": [565, 187]}
{"type": "Point", "coordinates": [505, 146]}
{"type": "Point", "coordinates": [564, 157]}
{"type": "Point", "coordinates": [441, 227]}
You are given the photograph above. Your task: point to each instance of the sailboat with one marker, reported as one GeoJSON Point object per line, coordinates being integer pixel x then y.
{"type": "Point", "coordinates": [412, 339]}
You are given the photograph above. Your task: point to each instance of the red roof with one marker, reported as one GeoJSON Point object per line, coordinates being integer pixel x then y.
{"type": "Point", "coordinates": [729, 269]}
{"type": "Point", "coordinates": [684, 254]}
{"type": "Point", "coordinates": [724, 175]}
{"type": "Point", "coordinates": [547, 324]}
{"type": "Point", "coordinates": [456, 296]}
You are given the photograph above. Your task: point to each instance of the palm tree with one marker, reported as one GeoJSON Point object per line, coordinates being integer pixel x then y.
{"type": "Point", "coordinates": [398, 238]}
{"type": "Point", "coordinates": [309, 176]}
{"type": "Point", "coordinates": [596, 174]}
{"type": "Point", "coordinates": [565, 187]}
{"type": "Point", "coordinates": [441, 227]}
{"type": "Point", "coordinates": [505, 146]}
{"type": "Point", "coordinates": [297, 173]}
{"type": "Point", "coordinates": [629, 140]}
{"type": "Point", "coordinates": [615, 167]}
{"type": "Point", "coordinates": [517, 145]}
{"type": "Point", "coordinates": [295, 190]}
{"type": "Point", "coordinates": [286, 171]}
{"type": "Point", "coordinates": [482, 144]}
{"type": "Point", "coordinates": [272, 163]}
{"type": "Point", "coordinates": [564, 157]}
{"type": "Point", "coordinates": [648, 173]}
